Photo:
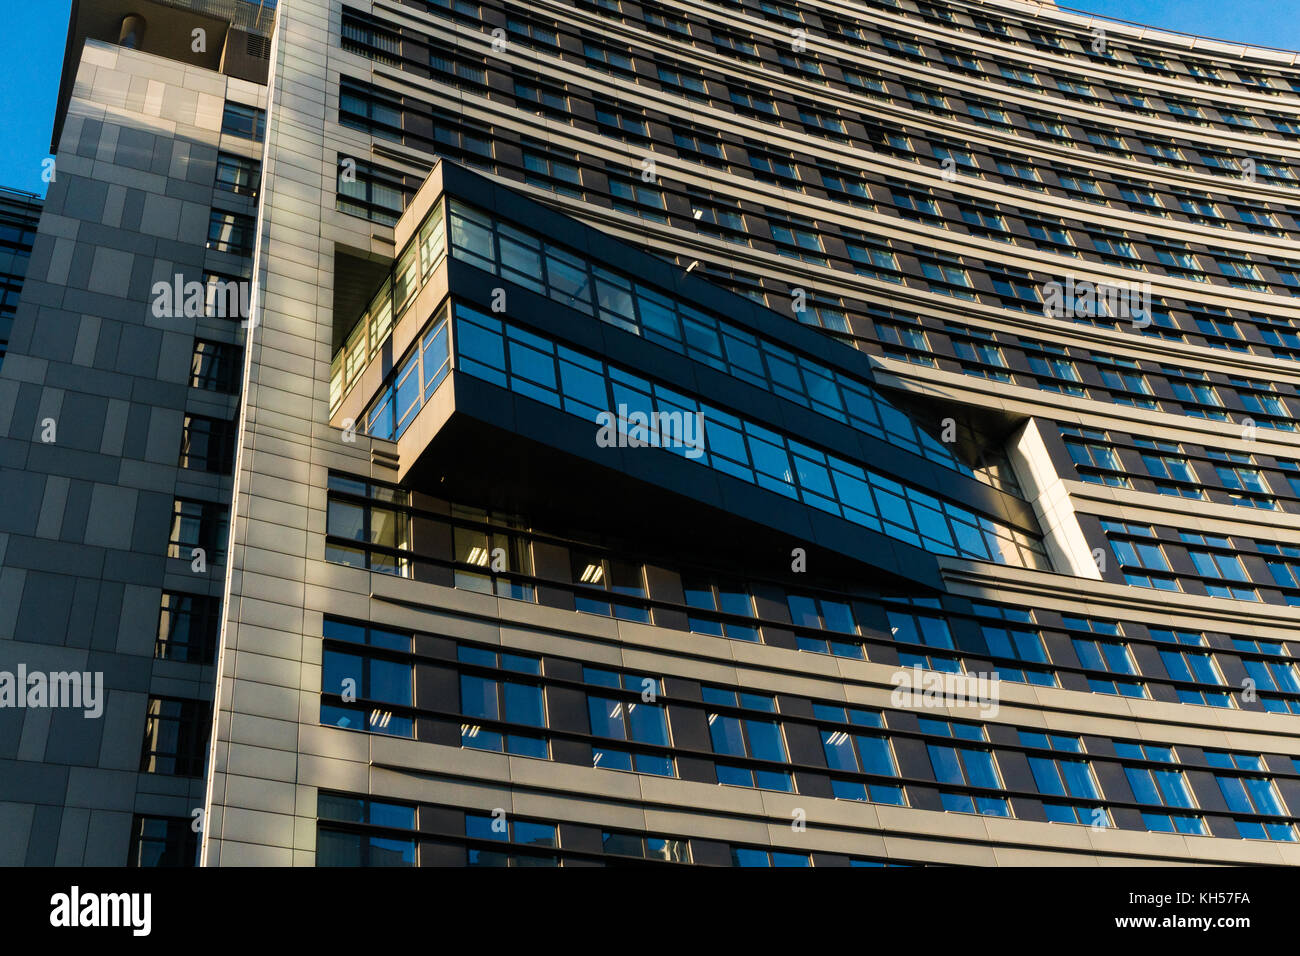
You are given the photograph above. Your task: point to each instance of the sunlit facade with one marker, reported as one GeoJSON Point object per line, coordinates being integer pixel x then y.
{"type": "Point", "coordinates": [638, 398]}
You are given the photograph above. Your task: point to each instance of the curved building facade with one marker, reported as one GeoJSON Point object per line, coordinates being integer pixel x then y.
{"type": "Point", "coordinates": [746, 433]}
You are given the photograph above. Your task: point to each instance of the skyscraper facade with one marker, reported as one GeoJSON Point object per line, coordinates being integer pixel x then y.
{"type": "Point", "coordinates": [19, 215]}
{"type": "Point", "coordinates": [603, 432]}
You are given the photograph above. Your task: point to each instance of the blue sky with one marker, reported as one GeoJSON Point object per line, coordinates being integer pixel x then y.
{"type": "Point", "coordinates": [1261, 22]}
{"type": "Point", "coordinates": [31, 54]}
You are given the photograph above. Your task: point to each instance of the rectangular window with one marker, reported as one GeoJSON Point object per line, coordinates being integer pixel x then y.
{"type": "Point", "coordinates": [163, 841]}
{"type": "Point", "coordinates": [753, 738]}
{"type": "Point", "coordinates": [747, 856]}
{"type": "Point", "coordinates": [1192, 667]}
{"type": "Point", "coordinates": [614, 576]}
{"type": "Point", "coordinates": [964, 766]}
{"type": "Point", "coordinates": [198, 526]}
{"type": "Point", "coordinates": [1094, 458]}
{"type": "Point", "coordinates": [638, 198]}
{"type": "Point", "coordinates": [368, 689]}
{"type": "Point", "coordinates": [628, 718]}
{"type": "Point", "coordinates": [1008, 642]}
{"type": "Point", "coordinates": [519, 839]}
{"type": "Point", "coordinates": [231, 232]}
{"type": "Point", "coordinates": [489, 559]}
{"type": "Point", "coordinates": [645, 847]}
{"type": "Point", "coordinates": [1126, 382]}
{"type": "Point", "coordinates": [733, 602]}
{"type": "Point", "coordinates": [1165, 463]}
{"type": "Point", "coordinates": [373, 534]}
{"type": "Point", "coordinates": [238, 174]}
{"type": "Point", "coordinates": [1053, 366]}
{"type": "Point", "coordinates": [924, 630]}
{"type": "Point", "coordinates": [370, 109]}
{"type": "Point", "coordinates": [947, 274]}
{"type": "Point", "coordinates": [359, 831]}
{"type": "Point", "coordinates": [1112, 657]}
{"type": "Point", "coordinates": [461, 71]}
{"type": "Point", "coordinates": [1068, 778]}
{"type": "Point", "coordinates": [1139, 554]}
{"type": "Point", "coordinates": [857, 753]}
{"type": "Point", "coordinates": [208, 444]}
{"type": "Point", "coordinates": [1160, 787]}
{"type": "Point", "coordinates": [246, 121]}
{"type": "Point", "coordinates": [188, 625]}
{"type": "Point", "coordinates": [370, 192]}
{"type": "Point", "coordinates": [176, 737]}
{"type": "Point", "coordinates": [502, 704]}
{"type": "Point", "coordinates": [216, 366]}
{"type": "Point", "coordinates": [978, 352]}
{"type": "Point", "coordinates": [533, 92]}
{"type": "Point", "coordinates": [551, 168]}
{"type": "Point", "coordinates": [607, 59]}
{"type": "Point", "coordinates": [365, 36]}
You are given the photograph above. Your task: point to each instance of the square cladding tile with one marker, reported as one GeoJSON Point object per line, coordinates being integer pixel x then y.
{"type": "Point", "coordinates": [111, 272]}
{"type": "Point", "coordinates": [161, 216]}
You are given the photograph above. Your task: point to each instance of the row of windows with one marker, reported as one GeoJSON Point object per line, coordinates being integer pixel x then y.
{"type": "Point", "coordinates": [1167, 201]}
{"type": "Point", "coordinates": [379, 108]}
{"type": "Point", "coordinates": [683, 80]}
{"type": "Point", "coordinates": [507, 702]}
{"type": "Point", "coordinates": [411, 270]}
{"type": "Point", "coordinates": [586, 387]}
{"type": "Point", "coordinates": [1237, 478]}
{"type": "Point", "coordinates": [19, 216]}
{"type": "Point", "coordinates": [800, 239]}
{"type": "Point", "coordinates": [1076, 371]}
{"type": "Point", "coordinates": [576, 281]}
{"type": "Point", "coordinates": [815, 242]}
{"type": "Point", "coordinates": [355, 830]}
{"type": "Point", "coordinates": [581, 283]}
{"type": "Point", "coordinates": [1239, 568]}
{"type": "Point", "coordinates": [809, 68]}
{"type": "Point", "coordinates": [1274, 337]}
{"type": "Point", "coordinates": [177, 729]}
{"type": "Point", "coordinates": [372, 526]}
{"type": "Point", "coordinates": [1065, 39]}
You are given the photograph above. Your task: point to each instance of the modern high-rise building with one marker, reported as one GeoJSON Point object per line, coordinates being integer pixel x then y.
{"type": "Point", "coordinates": [730, 433]}
{"type": "Point", "coordinates": [20, 213]}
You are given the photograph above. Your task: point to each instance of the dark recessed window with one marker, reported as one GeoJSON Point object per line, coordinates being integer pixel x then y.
{"type": "Point", "coordinates": [175, 737]}
{"type": "Point", "coordinates": [163, 841]}
{"type": "Point", "coordinates": [215, 366]}
{"type": "Point", "coordinates": [208, 444]}
{"type": "Point", "coordinates": [246, 121]}
{"type": "Point", "coordinates": [187, 627]}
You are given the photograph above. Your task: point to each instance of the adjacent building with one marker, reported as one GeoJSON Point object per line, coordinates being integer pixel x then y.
{"type": "Point", "coordinates": [20, 213]}
{"type": "Point", "coordinates": [609, 432]}
{"type": "Point", "coordinates": [120, 395]}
